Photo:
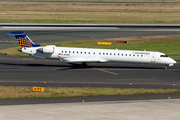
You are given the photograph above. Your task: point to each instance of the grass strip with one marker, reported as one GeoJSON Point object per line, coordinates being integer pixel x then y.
{"type": "Point", "coordinates": [56, 21]}
{"type": "Point", "coordinates": [176, 57]}
{"type": "Point", "coordinates": [91, 13]}
{"type": "Point", "coordinates": [9, 92]}
{"type": "Point", "coordinates": [101, 0]}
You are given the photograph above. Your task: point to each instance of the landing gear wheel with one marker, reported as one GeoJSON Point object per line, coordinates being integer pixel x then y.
{"type": "Point", "coordinates": [165, 67]}
{"type": "Point", "coordinates": [84, 65]}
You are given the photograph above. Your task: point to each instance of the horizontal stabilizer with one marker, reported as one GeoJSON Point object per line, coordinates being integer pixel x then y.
{"type": "Point", "coordinates": [17, 33]}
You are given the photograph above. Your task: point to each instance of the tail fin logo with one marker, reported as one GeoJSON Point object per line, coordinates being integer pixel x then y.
{"type": "Point", "coordinates": [23, 42]}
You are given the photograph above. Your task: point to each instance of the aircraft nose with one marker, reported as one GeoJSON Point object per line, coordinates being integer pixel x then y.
{"type": "Point", "coordinates": [174, 61]}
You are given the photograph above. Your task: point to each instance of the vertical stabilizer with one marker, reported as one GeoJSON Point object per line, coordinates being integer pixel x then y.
{"type": "Point", "coordinates": [23, 40]}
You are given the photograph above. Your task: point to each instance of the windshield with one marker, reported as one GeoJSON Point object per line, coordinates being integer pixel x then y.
{"type": "Point", "coordinates": [163, 56]}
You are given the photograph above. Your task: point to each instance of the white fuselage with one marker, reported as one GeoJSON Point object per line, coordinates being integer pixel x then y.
{"type": "Point", "coordinates": [72, 55]}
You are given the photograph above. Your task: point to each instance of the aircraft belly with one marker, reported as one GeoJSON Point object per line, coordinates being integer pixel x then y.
{"type": "Point", "coordinates": [129, 59]}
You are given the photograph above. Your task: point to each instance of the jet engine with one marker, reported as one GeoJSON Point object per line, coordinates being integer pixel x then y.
{"type": "Point", "coordinates": [47, 49]}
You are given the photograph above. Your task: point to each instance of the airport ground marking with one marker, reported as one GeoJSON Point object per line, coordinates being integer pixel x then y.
{"type": "Point", "coordinates": [7, 41]}
{"type": "Point", "coordinates": [106, 71]}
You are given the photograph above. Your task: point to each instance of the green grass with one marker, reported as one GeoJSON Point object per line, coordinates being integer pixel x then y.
{"type": "Point", "coordinates": [56, 21]}
{"type": "Point", "coordinates": [103, 0]}
{"type": "Point", "coordinates": [169, 47]}
{"type": "Point", "coordinates": [175, 58]}
{"type": "Point", "coordinates": [13, 51]}
{"type": "Point", "coordinates": [9, 92]}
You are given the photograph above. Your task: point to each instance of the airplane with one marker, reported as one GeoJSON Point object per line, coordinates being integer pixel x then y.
{"type": "Point", "coordinates": [89, 55]}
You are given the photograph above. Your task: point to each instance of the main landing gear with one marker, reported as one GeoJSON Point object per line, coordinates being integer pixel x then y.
{"type": "Point", "coordinates": [83, 65]}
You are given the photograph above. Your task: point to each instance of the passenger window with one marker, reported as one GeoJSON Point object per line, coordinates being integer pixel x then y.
{"type": "Point", "coordinates": [141, 55]}
{"type": "Point", "coordinates": [122, 54]}
{"type": "Point", "coordinates": [89, 53]}
{"type": "Point", "coordinates": [65, 51]}
{"type": "Point", "coordinates": [106, 53]}
{"type": "Point", "coordinates": [118, 54]}
{"type": "Point", "coordinates": [94, 53]}
{"type": "Point", "coordinates": [62, 51]}
{"type": "Point", "coordinates": [133, 54]}
{"type": "Point", "coordinates": [81, 52]}
{"type": "Point", "coordinates": [77, 52]}
{"type": "Point", "coordinates": [73, 51]}
{"type": "Point", "coordinates": [103, 53]}
{"type": "Point", "coordinates": [137, 55]}
{"type": "Point", "coordinates": [84, 52]}
{"type": "Point", "coordinates": [99, 53]}
{"type": "Point", "coordinates": [129, 54]}
{"type": "Point", "coordinates": [110, 53]}
{"type": "Point", "coordinates": [114, 53]}
{"type": "Point", "coordinates": [126, 54]}
{"type": "Point", "coordinates": [69, 51]}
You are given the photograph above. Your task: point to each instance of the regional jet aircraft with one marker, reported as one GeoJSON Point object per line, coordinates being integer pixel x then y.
{"type": "Point", "coordinates": [89, 55]}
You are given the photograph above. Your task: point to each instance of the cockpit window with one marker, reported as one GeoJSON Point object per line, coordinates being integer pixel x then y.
{"type": "Point", "coordinates": [163, 56]}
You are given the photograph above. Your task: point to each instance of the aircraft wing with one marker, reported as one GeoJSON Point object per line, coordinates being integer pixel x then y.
{"type": "Point", "coordinates": [79, 60]}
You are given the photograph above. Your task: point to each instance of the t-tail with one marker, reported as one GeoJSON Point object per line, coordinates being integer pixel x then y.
{"type": "Point", "coordinates": [23, 40]}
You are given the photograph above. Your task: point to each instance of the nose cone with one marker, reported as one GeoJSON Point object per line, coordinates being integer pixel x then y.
{"type": "Point", "coordinates": [20, 49]}
{"type": "Point", "coordinates": [174, 61]}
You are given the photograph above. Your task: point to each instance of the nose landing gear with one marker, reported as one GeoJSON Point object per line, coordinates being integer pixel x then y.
{"type": "Point", "coordinates": [165, 67]}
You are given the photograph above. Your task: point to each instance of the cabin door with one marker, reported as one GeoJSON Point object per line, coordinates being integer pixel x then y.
{"type": "Point", "coordinates": [153, 58]}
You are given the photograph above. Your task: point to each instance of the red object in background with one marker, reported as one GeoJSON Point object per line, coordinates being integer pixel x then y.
{"type": "Point", "coordinates": [120, 41]}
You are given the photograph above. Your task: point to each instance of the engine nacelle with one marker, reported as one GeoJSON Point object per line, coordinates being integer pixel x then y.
{"type": "Point", "coordinates": [47, 49]}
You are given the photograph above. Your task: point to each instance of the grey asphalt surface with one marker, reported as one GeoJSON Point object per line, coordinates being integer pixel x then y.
{"type": "Point", "coordinates": [25, 101]}
{"type": "Point", "coordinates": [28, 71]}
